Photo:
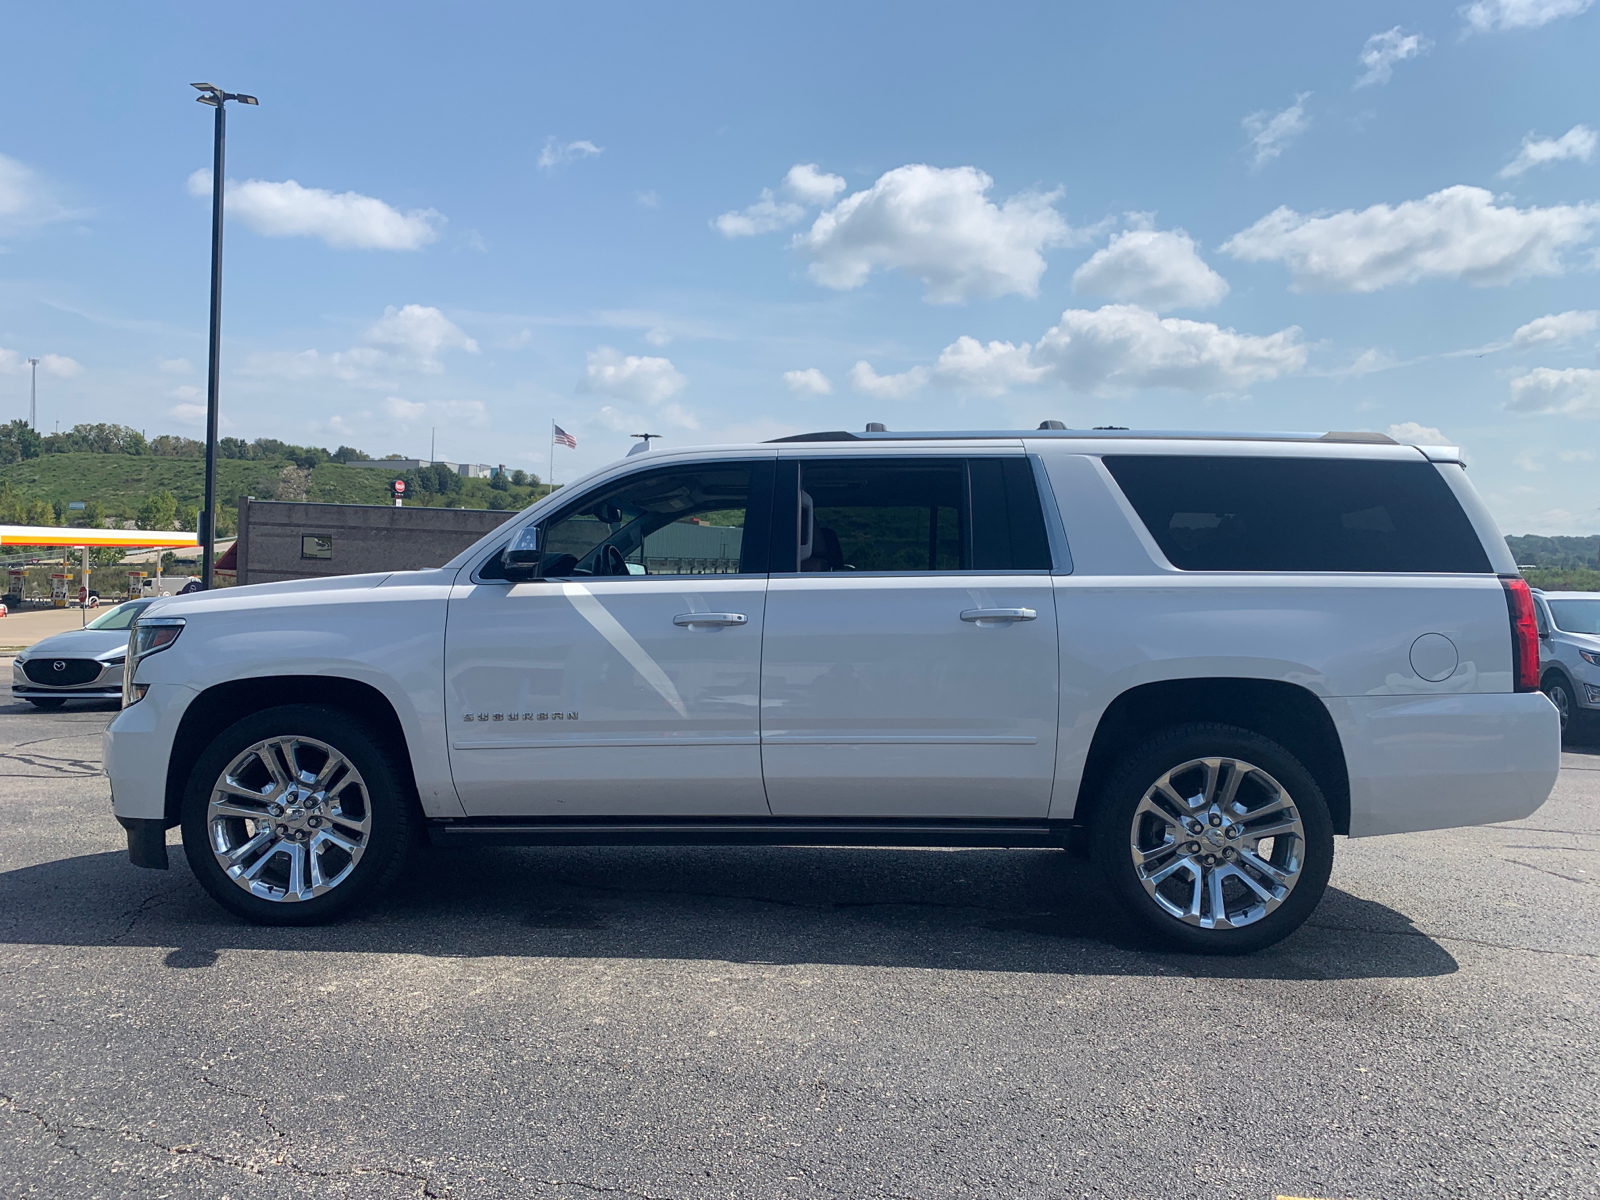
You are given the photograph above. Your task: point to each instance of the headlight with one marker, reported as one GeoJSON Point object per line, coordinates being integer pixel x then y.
{"type": "Point", "coordinates": [1591, 656]}
{"type": "Point", "coordinates": [147, 638]}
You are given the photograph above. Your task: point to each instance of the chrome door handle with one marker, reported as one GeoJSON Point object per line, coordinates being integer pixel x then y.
{"type": "Point", "coordinates": [688, 619]}
{"type": "Point", "coordinates": [982, 615]}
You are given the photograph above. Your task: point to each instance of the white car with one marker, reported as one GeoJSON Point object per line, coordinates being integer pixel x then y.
{"type": "Point", "coordinates": [1199, 656]}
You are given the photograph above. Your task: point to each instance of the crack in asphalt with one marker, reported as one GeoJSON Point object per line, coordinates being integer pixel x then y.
{"type": "Point", "coordinates": [75, 768]}
{"type": "Point", "coordinates": [137, 912]}
{"type": "Point", "coordinates": [1449, 937]}
{"type": "Point", "coordinates": [1546, 870]}
{"type": "Point", "coordinates": [60, 1130]}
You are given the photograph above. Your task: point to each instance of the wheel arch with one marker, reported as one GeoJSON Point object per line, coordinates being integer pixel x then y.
{"type": "Point", "coordinates": [1287, 713]}
{"type": "Point", "coordinates": [218, 707]}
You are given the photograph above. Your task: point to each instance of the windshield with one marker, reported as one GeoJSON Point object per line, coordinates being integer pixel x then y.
{"type": "Point", "coordinates": [1575, 616]}
{"type": "Point", "coordinates": [120, 617]}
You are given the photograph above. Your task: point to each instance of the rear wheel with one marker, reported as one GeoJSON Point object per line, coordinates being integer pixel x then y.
{"type": "Point", "coordinates": [1559, 690]}
{"type": "Point", "coordinates": [295, 815]}
{"type": "Point", "coordinates": [1215, 838]}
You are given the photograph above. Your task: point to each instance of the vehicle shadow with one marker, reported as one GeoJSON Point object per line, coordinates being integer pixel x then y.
{"type": "Point", "coordinates": [1029, 911]}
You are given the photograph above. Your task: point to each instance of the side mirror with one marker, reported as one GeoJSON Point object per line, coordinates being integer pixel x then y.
{"type": "Point", "coordinates": [522, 559]}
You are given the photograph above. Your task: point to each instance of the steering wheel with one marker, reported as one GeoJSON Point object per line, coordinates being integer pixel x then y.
{"type": "Point", "coordinates": [611, 562]}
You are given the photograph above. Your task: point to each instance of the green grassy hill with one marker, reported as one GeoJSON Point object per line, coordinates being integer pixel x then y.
{"type": "Point", "coordinates": [120, 482]}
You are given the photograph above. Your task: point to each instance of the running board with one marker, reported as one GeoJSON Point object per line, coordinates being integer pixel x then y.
{"type": "Point", "coordinates": [753, 831]}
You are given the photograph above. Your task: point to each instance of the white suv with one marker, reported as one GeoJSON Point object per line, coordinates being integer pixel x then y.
{"type": "Point", "coordinates": [1197, 656]}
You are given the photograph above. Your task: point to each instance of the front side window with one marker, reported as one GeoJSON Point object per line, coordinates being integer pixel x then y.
{"type": "Point", "coordinates": [1237, 513]}
{"type": "Point", "coordinates": [919, 515]}
{"type": "Point", "coordinates": [688, 520]}
{"type": "Point", "coordinates": [120, 617]}
{"type": "Point", "coordinates": [1576, 616]}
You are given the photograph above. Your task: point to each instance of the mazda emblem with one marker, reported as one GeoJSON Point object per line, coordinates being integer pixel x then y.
{"type": "Point", "coordinates": [60, 665]}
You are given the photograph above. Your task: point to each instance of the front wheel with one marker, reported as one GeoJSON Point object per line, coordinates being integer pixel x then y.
{"type": "Point", "coordinates": [295, 815]}
{"type": "Point", "coordinates": [1216, 839]}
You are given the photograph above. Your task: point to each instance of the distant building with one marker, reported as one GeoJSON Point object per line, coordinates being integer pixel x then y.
{"type": "Point", "coordinates": [465, 470]}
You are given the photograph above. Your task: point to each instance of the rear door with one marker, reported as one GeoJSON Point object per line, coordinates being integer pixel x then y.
{"type": "Point", "coordinates": [910, 665]}
{"type": "Point", "coordinates": [626, 681]}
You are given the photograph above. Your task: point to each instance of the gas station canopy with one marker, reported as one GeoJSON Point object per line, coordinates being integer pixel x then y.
{"type": "Point", "coordinates": [61, 535]}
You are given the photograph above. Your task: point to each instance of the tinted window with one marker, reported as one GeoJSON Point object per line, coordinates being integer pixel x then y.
{"type": "Point", "coordinates": [1299, 514]}
{"type": "Point", "coordinates": [688, 520]}
{"type": "Point", "coordinates": [919, 514]}
{"type": "Point", "coordinates": [120, 617]}
{"type": "Point", "coordinates": [1576, 616]}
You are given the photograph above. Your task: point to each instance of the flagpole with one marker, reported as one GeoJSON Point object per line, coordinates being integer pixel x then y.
{"type": "Point", "coordinates": [552, 454]}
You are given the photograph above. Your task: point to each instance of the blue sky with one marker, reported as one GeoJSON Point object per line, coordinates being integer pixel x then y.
{"type": "Point", "coordinates": [727, 222]}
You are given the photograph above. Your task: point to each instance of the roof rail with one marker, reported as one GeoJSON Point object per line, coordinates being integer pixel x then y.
{"type": "Point", "coordinates": [1055, 429]}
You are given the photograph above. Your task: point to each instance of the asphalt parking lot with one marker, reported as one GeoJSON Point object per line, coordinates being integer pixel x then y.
{"type": "Point", "coordinates": [787, 1023]}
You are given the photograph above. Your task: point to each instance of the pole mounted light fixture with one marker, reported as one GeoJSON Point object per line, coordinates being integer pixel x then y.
{"type": "Point", "coordinates": [218, 99]}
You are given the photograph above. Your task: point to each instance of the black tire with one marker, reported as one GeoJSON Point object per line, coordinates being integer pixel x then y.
{"type": "Point", "coordinates": [1114, 835]}
{"type": "Point", "coordinates": [388, 805]}
{"type": "Point", "coordinates": [1559, 689]}
{"type": "Point", "coordinates": [49, 704]}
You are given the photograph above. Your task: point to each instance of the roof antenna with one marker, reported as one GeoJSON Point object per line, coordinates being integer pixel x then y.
{"type": "Point", "coordinates": [644, 445]}
{"type": "Point", "coordinates": [876, 427]}
{"type": "Point", "coordinates": [1051, 425]}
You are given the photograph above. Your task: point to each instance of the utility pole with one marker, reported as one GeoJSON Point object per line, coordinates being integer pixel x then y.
{"type": "Point", "coordinates": [206, 525]}
{"type": "Point", "coordinates": [33, 396]}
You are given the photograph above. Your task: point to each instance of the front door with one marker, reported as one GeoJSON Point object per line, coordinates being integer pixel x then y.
{"type": "Point", "coordinates": [910, 667]}
{"type": "Point", "coordinates": [626, 681]}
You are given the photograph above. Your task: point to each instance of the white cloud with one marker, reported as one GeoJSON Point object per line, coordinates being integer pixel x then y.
{"type": "Point", "coordinates": [887, 387]}
{"type": "Point", "coordinates": [938, 225]}
{"type": "Point", "coordinates": [648, 199]}
{"type": "Point", "coordinates": [764, 216]}
{"type": "Point", "coordinates": [1576, 143]}
{"type": "Point", "coordinates": [1484, 16]}
{"type": "Point", "coordinates": [417, 333]}
{"type": "Point", "coordinates": [1271, 133]}
{"type": "Point", "coordinates": [26, 199]}
{"type": "Point", "coordinates": [404, 410]}
{"type": "Point", "coordinates": [59, 365]}
{"type": "Point", "coordinates": [809, 185]}
{"type": "Point", "coordinates": [657, 336]}
{"type": "Point", "coordinates": [992, 368]}
{"type": "Point", "coordinates": [1365, 363]}
{"type": "Point", "coordinates": [1159, 269]}
{"type": "Point", "coordinates": [1121, 347]}
{"type": "Point", "coordinates": [1413, 434]}
{"type": "Point", "coordinates": [189, 414]}
{"type": "Point", "coordinates": [809, 382]}
{"type": "Point", "coordinates": [1575, 455]}
{"type": "Point", "coordinates": [186, 392]}
{"type": "Point", "coordinates": [1528, 460]}
{"type": "Point", "coordinates": [1457, 233]}
{"type": "Point", "coordinates": [633, 377]}
{"type": "Point", "coordinates": [176, 366]}
{"type": "Point", "coordinates": [1385, 49]}
{"type": "Point", "coordinates": [805, 185]}
{"type": "Point", "coordinates": [557, 154]}
{"type": "Point", "coordinates": [1556, 329]}
{"type": "Point", "coordinates": [1574, 392]}
{"type": "Point", "coordinates": [410, 338]}
{"type": "Point", "coordinates": [343, 220]}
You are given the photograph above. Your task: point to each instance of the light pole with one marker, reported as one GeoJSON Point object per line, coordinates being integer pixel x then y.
{"type": "Point", "coordinates": [218, 99]}
{"type": "Point", "coordinates": [33, 396]}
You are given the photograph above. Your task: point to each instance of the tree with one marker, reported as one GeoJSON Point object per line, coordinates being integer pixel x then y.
{"type": "Point", "coordinates": [94, 515]}
{"type": "Point", "coordinates": [499, 482]}
{"type": "Point", "coordinates": [519, 478]}
{"type": "Point", "coordinates": [97, 439]}
{"type": "Point", "coordinates": [159, 511]}
{"type": "Point", "coordinates": [171, 446]}
{"type": "Point", "coordinates": [18, 441]}
{"type": "Point", "coordinates": [349, 454]}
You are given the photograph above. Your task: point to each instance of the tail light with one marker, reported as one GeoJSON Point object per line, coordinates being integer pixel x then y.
{"type": "Point", "coordinates": [1524, 634]}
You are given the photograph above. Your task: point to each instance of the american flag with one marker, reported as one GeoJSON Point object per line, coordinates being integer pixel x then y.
{"type": "Point", "coordinates": [562, 438]}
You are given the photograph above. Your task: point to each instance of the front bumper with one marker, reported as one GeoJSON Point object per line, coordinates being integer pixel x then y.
{"type": "Point", "coordinates": [136, 749]}
{"type": "Point", "coordinates": [1438, 762]}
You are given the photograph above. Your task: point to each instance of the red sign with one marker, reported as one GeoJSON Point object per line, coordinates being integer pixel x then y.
{"type": "Point", "coordinates": [83, 595]}
{"type": "Point", "coordinates": [399, 487]}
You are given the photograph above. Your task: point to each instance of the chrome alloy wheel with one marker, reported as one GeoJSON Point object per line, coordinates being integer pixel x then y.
{"type": "Point", "coordinates": [289, 819]}
{"type": "Point", "coordinates": [1217, 843]}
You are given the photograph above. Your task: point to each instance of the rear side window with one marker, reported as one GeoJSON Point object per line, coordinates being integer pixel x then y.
{"type": "Point", "coordinates": [1299, 514]}
{"type": "Point", "coordinates": [919, 514]}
